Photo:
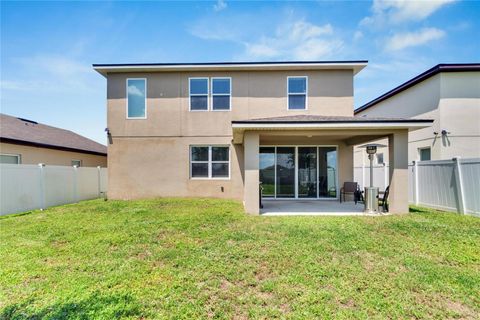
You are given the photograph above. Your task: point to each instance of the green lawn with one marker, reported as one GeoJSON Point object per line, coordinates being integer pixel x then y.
{"type": "Point", "coordinates": [198, 258]}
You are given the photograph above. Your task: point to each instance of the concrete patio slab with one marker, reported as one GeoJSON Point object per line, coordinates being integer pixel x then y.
{"type": "Point", "coordinates": [311, 208]}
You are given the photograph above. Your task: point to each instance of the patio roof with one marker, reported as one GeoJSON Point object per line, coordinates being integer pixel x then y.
{"type": "Point", "coordinates": [318, 122]}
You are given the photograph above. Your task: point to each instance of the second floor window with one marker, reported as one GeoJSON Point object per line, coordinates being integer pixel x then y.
{"type": "Point", "coordinates": [136, 98]}
{"type": "Point", "coordinates": [297, 93]}
{"type": "Point", "coordinates": [221, 93]}
{"type": "Point", "coordinates": [198, 94]}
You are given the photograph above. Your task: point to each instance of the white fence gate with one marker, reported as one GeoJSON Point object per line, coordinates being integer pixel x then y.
{"type": "Point", "coordinates": [26, 187]}
{"type": "Point", "coordinates": [452, 185]}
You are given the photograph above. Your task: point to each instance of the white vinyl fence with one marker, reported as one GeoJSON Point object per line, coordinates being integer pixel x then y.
{"type": "Point", "coordinates": [452, 185]}
{"type": "Point", "coordinates": [26, 187]}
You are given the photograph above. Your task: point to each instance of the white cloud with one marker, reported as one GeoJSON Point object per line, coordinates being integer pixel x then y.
{"type": "Point", "coordinates": [410, 39]}
{"type": "Point", "coordinates": [220, 5]}
{"type": "Point", "coordinates": [398, 11]}
{"type": "Point", "coordinates": [135, 91]}
{"type": "Point", "coordinates": [59, 66]}
{"type": "Point", "coordinates": [261, 50]}
{"type": "Point", "coordinates": [357, 35]}
{"type": "Point", "coordinates": [299, 40]}
{"type": "Point", "coordinates": [50, 73]}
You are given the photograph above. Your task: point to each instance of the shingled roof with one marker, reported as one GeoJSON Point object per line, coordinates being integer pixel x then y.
{"type": "Point", "coordinates": [27, 132]}
{"type": "Point", "coordinates": [311, 118]}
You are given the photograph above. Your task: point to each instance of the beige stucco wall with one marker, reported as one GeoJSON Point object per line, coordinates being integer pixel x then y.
{"type": "Point", "coordinates": [452, 100]}
{"type": "Point", "coordinates": [254, 95]}
{"type": "Point", "coordinates": [459, 114]}
{"type": "Point", "coordinates": [35, 155]}
{"type": "Point", "coordinates": [153, 167]}
{"type": "Point", "coordinates": [150, 157]}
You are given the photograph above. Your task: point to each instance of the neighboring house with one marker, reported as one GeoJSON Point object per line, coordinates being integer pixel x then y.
{"type": "Point", "coordinates": [218, 129]}
{"type": "Point", "coordinates": [24, 141]}
{"type": "Point", "coordinates": [447, 93]}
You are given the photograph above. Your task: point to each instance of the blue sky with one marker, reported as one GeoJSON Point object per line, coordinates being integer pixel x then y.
{"type": "Point", "coordinates": [47, 48]}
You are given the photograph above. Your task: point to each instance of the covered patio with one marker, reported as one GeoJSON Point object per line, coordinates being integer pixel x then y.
{"type": "Point", "coordinates": [311, 157]}
{"type": "Point", "coordinates": [310, 208]}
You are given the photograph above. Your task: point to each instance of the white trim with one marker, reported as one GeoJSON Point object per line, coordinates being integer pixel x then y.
{"type": "Point", "coordinates": [17, 155]}
{"type": "Point", "coordinates": [350, 125]}
{"type": "Point", "coordinates": [209, 162]}
{"type": "Point", "coordinates": [419, 153]}
{"type": "Point", "coordinates": [198, 94]}
{"type": "Point", "coordinates": [229, 95]}
{"type": "Point", "coordinates": [126, 107]}
{"type": "Point", "coordinates": [356, 66]}
{"type": "Point", "coordinates": [297, 94]}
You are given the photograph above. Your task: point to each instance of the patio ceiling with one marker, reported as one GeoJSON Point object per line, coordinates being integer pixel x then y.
{"type": "Point", "coordinates": [353, 130]}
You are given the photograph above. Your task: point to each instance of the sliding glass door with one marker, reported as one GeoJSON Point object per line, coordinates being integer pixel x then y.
{"type": "Point", "coordinates": [327, 172]}
{"type": "Point", "coordinates": [308, 172]}
{"type": "Point", "coordinates": [285, 185]}
{"type": "Point", "coordinates": [267, 171]}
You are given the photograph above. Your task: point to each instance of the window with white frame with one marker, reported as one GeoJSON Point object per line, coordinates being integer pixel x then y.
{"type": "Point", "coordinates": [297, 88]}
{"type": "Point", "coordinates": [221, 93]}
{"type": "Point", "coordinates": [136, 98]}
{"type": "Point", "coordinates": [379, 158]}
{"type": "Point", "coordinates": [425, 154]}
{"type": "Point", "coordinates": [10, 158]}
{"type": "Point", "coordinates": [209, 162]}
{"type": "Point", "coordinates": [198, 91]}
{"type": "Point", "coordinates": [77, 163]}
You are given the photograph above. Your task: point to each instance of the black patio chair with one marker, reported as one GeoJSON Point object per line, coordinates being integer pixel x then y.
{"type": "Point", "coordinates": [383, 202]}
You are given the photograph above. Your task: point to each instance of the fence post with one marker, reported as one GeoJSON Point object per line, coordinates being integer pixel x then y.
{"type": "Point", "coordinates": [459, 185]}
{"type": "Point", "coordinates": [42, 186]}
{"type": "Point", "coordinates": [416, 201]}
{"type": "Point", "coordinates": [99, 173]}
{"type": "Point", "coordinates": [75, 183]}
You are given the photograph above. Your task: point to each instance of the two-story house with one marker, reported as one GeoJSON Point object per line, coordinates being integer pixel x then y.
{"type": "Point", "coordinates": [447, 93]}
{"type": "Point", "coordinates": [218, 129]}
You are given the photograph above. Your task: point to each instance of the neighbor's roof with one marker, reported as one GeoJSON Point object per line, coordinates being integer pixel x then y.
{"type": "Point", "coordinates": [27, 132]}
{"type": "Point", "coordinates": [355, 65]}
{"type": "Point", "coordinates": [452, 67]}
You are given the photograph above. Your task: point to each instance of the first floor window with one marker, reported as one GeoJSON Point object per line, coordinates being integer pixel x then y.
{"type": "Point", "coordinates": [297, 93]}
{"type": "Point", "coordinates": [136, 98]}
{"type": "Point", "coordinates": [10, 158]}
{"type": "Point", "coordinates": [77, 163]}
{"type": "Point", "coordinates": [425, 154]}
{"type": "Point", "coordinates": [379, 158]}
{"type": "Point", "coordinates": [209, 161]}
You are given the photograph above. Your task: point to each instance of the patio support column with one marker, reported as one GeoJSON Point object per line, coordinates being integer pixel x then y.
{"type": "Point", "coordinates": [398, 154]}
{"type": "Point", "coordinates": [251, 146]}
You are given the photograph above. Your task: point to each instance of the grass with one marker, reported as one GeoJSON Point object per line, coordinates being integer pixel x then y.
{"type": "Point", "coordinates": [199, 258]}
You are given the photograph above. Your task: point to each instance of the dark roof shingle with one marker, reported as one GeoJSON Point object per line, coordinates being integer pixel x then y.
{"type": "Point", "coordinates": [18, 130]}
